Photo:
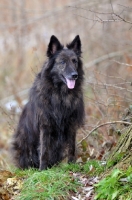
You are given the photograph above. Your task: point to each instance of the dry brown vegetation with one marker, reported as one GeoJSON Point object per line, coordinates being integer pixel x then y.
{"type": "Point", "coordinates": [105, 30]}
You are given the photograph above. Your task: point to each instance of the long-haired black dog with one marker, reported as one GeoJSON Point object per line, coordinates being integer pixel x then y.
{"type": "Point", "coordinates": [55, 110]}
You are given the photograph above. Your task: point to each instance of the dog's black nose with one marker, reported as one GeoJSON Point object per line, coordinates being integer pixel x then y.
{"type": "Point", "coordinates": [74, 75]}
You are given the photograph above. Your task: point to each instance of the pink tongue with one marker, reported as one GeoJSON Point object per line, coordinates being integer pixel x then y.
{"type": "Point", "coordinates": [70, 83]}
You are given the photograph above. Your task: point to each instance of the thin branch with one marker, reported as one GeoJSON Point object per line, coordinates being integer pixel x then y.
{"type": "Point", "coordinates": [112, 6]}
{"type": "Point", "coordinates": [122, 19]}
{"type": "Point", "coordinates": [105, 57]}
{"type": "Point", "coordinates": [119, 18]}
{"type": "Point", "coordinates": [110, 85]}
{"type": "Point", "coordinates": [102, 13]}
{"type": "Point", "coordinates": [100, 20]}
{"type": "Point", "coordinates": [108, 76]}
{"type": "Point", "coordinates": [122, 63]}
{"type": "Point", "coordinates": [128, 8]}
{"type": "Point", "coordinates": [104, 124]}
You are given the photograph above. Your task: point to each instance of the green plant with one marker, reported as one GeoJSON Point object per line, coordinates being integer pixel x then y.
{"type": "Point", "coordinates": [94, 167]}
{"type": "Point", "coordinates": [114, 160]}
{"type": "Point", "coordinates": [118, 185]}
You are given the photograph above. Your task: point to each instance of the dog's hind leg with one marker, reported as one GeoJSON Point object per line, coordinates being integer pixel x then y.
{"type": "Point", "coordinates": [21, 154]}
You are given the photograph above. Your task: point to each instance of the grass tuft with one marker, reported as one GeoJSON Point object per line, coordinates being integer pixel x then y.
{"type": "Point", "coordinates": [54, 183]}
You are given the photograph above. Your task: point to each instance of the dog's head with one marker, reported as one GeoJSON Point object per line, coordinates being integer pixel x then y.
{"type": "Point", "coordinates": [66, 60]}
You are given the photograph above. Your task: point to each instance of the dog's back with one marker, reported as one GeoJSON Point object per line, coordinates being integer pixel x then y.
{"type": "Point", "coordinates": [55, 110]}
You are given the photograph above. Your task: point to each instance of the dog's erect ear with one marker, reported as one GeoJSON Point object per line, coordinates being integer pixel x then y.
{"type": "Point", "coordinates": [75, 45]}
{"type": "Point", "coordinates": [54, 46]}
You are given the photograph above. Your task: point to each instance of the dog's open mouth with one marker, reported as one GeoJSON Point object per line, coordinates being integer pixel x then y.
{"type": "Point", "coordinates": [70, 83]}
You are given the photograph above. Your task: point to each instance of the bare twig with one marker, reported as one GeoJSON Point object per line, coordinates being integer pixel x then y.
{"type": "Point", "coordinates": [129, 65]}
{"type": "Point", "coordinates": [110, 85]}
{"type": "Point", "coordinates": [100, 20]}
{"type": "Point", "coordinates": [96, 12]}
{"type": "Point", "coordinates": [113, 14]}
{"type": "Point", "coordinates": [128, 8]}
{"type": "Point", "coordinates": [104, 57]}
{"type": "Point", "coordinates": [112, 6]}
{"type": "Point", "coordinates": [100, 125]}
{"type": "Point", "coordinates": [122, 19]}
{"type": "Point", "coordinates": [109, 76]}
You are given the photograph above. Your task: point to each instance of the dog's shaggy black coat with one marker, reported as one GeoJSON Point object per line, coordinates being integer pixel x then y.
{"type": "Point", "coordinates": [55, 110]}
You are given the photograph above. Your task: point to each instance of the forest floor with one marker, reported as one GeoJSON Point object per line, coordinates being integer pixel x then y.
{"type": "Point", "coordinates": [67, 181]}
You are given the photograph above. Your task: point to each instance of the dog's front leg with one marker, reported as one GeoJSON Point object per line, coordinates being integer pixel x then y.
{"type": "Point", "coordinates": [44, 153]}
{"type": "Point", "coordinates": [72, 147]}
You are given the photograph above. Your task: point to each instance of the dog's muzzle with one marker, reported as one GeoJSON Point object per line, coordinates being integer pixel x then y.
{"type": "Point", "coordinates": [71, 79]}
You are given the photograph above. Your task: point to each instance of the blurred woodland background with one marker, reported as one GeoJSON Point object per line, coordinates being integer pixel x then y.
{"type": "Point", "coordinates": [105, 29]}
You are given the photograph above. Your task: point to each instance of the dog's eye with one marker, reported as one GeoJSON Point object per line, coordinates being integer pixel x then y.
{"type": "Point", "coordinates": [62, 62]}
{"type": "Point", "coordinates": [74, 61]}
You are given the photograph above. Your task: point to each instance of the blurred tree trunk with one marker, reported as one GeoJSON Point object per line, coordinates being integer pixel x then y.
{"type": "Point", "coordinates": [121, 156]}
